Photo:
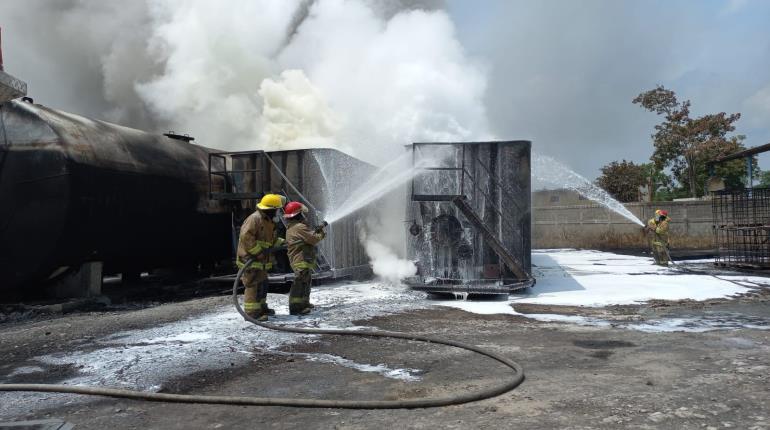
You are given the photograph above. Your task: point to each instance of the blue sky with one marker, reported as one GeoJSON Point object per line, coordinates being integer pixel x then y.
{"type": "Point", "coordinates": [563, 73]}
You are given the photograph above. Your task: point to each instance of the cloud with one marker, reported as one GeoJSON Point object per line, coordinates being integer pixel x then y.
{"type": "Point", "coordinates": [759, 105]}
{"type": "Point", "coordinates": [564, 73]}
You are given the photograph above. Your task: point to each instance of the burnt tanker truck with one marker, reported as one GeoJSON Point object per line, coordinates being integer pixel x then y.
{"type": "Point", "coordinates": [74, 190]}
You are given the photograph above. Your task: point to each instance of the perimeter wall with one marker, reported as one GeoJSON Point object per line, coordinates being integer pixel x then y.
{"type": "Point", "coordinates": [594, 227]}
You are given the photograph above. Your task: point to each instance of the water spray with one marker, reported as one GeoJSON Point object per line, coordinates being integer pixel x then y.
{"type": "Point", "coordinates": [552, 172]}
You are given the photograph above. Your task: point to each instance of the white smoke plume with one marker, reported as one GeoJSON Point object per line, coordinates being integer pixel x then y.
{"type": "Point", "coordinates": [362, 76]}
{"type": "Point", "coordinates": [296, 115]}
{"type": "Point", "coordinates": [387, 265]}
{"type": "Point", "coordinates": [377, 74]}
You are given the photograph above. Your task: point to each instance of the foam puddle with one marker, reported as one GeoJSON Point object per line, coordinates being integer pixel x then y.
{"type": "Point", "coordinates": [480, 307]}
{"type": "Point", "coordinates": [402, 374]}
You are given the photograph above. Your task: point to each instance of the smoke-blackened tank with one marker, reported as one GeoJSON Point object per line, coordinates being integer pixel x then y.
{"type": "Point", "coordinates": [469, 217]}
{"type": "Point", "coordinates": [74, 190]}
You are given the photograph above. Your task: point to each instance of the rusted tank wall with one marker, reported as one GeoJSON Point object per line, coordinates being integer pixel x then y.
{"type": "Point", "coordinates": [594, 227]}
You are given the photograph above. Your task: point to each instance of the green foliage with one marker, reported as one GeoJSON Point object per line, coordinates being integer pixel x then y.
{"type": "Point", "coordinates": [764, 179]}
{"type": "Point", "coordinates": [684, 145]}
{"type": "Point", "coordinates": [657, 180]}
{"type": "Point", "coordinates": [622, 180]}
{"type": "Point", "coordinates": [670, 193]}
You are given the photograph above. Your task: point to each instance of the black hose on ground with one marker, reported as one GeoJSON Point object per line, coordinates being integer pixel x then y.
{"type": "Point", "coordinates": [683, 268]}
{"type": "Point", "coordinates": [457, 399]}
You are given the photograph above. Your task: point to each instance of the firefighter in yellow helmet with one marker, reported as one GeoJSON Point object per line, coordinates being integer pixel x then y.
{"type": "Point", "coordinates": [300, 242]}
{"type": "Point", "coordinates": [658, 229]}
{"type": "Point", "coordinates": [258, 239]}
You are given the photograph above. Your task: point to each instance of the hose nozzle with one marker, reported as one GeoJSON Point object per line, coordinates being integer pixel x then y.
{"type": "Point", "coordinates": [321, 226]}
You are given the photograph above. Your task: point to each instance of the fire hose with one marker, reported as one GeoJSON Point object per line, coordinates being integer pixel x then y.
{"type": "Point", "coordinates": [512, 382]}
{"type": "Point", "coordinates": [685, 269]}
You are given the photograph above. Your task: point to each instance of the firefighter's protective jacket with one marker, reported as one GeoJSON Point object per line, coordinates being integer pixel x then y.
{"type": "Point", "coordinates": [300, 242]}
{"type": "Point", "coordinates": [659, 230]}
{"type": "Point", "coordinates": [257, 235]}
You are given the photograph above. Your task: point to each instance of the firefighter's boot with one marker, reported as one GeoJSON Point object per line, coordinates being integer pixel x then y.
{"type": "Point", "coordinates": [297, 301]}
{"type": "Point", "coordinates": [306, 294]}
{"type": "Point", "coordinates": [250, 304]}
{"type": "Point", "coordinates": [262, 297]}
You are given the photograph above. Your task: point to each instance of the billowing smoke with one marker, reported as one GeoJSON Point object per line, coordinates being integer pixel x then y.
{"type": "Point", "coordinates": [296, 115]}
{"type": "Point", "coordinates": [365, 77]}
{"type": "Point", "coordinates": [362, 76]}
{"type": "Point", "coordinates": [393, 80]}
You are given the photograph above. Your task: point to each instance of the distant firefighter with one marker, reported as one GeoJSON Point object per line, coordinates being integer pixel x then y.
{"type": "Point", "coordinates": [300, 242]}
{"type": "Point", "coordinates": [657, 227]}
{"type": "Point", "coordinates": [258, 239]}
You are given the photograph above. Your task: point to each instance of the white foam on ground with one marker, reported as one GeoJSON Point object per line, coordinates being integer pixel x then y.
{"type": "Point", "coordinates": [595, 278]}
{"type": "Point", "coordinates": [25, 370]}
{"type": "Point", "coordinates": [571, 319]}
{"type": "Point", "coordinates": [147, 358]}
{"type": "Point", "coordinates": [479, 307]}
{"type": "Point", "coordinates": [569, 277]}
{"type": "Point", "coordinates": [402, 374]}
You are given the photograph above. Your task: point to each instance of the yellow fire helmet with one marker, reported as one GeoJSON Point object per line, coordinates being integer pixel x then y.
{"type": "Point", "coordinates": [270, 201]}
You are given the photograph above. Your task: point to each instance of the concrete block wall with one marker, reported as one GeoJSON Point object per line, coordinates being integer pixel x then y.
{"type": "Point", "coordinates": [595, 227]}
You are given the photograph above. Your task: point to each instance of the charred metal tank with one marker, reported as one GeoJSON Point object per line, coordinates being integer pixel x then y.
{"type": "Point", "coordinates": [319, 177]}
{"type": "Point", "coordinates": [74, 190]}
{"type": "Point", "coordinates": [469, 213]}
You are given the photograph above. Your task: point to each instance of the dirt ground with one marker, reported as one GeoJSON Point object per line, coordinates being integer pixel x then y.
{"type": "Point", "coordinates": [580, 377]}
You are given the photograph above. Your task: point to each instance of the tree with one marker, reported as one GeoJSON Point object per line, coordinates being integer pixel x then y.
{"type": "Point", "coordinates": [622, 180]}
{"type": "Point", "coordinates": [686, 144]}
{"type": "Point", "coordinates": [657, 181]}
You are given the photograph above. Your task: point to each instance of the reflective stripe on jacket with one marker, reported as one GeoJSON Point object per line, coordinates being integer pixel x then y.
{"type": "Point", "coordinates": [257, 234]}
{"type": "Point", "coordinates": [300, 242]}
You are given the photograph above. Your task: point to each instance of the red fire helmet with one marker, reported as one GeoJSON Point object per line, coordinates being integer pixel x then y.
{"type": "Point", "coordinates": [293, 209]}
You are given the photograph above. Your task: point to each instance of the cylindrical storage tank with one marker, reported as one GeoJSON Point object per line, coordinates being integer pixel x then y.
{"type": "Point", "coordinates": [74, 190]}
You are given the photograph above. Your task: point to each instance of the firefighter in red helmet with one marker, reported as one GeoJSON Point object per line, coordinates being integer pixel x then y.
{"type": "Point", "coordinates": [657, 228]}
{"type": "Point", "coordinates": [300, 242]}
